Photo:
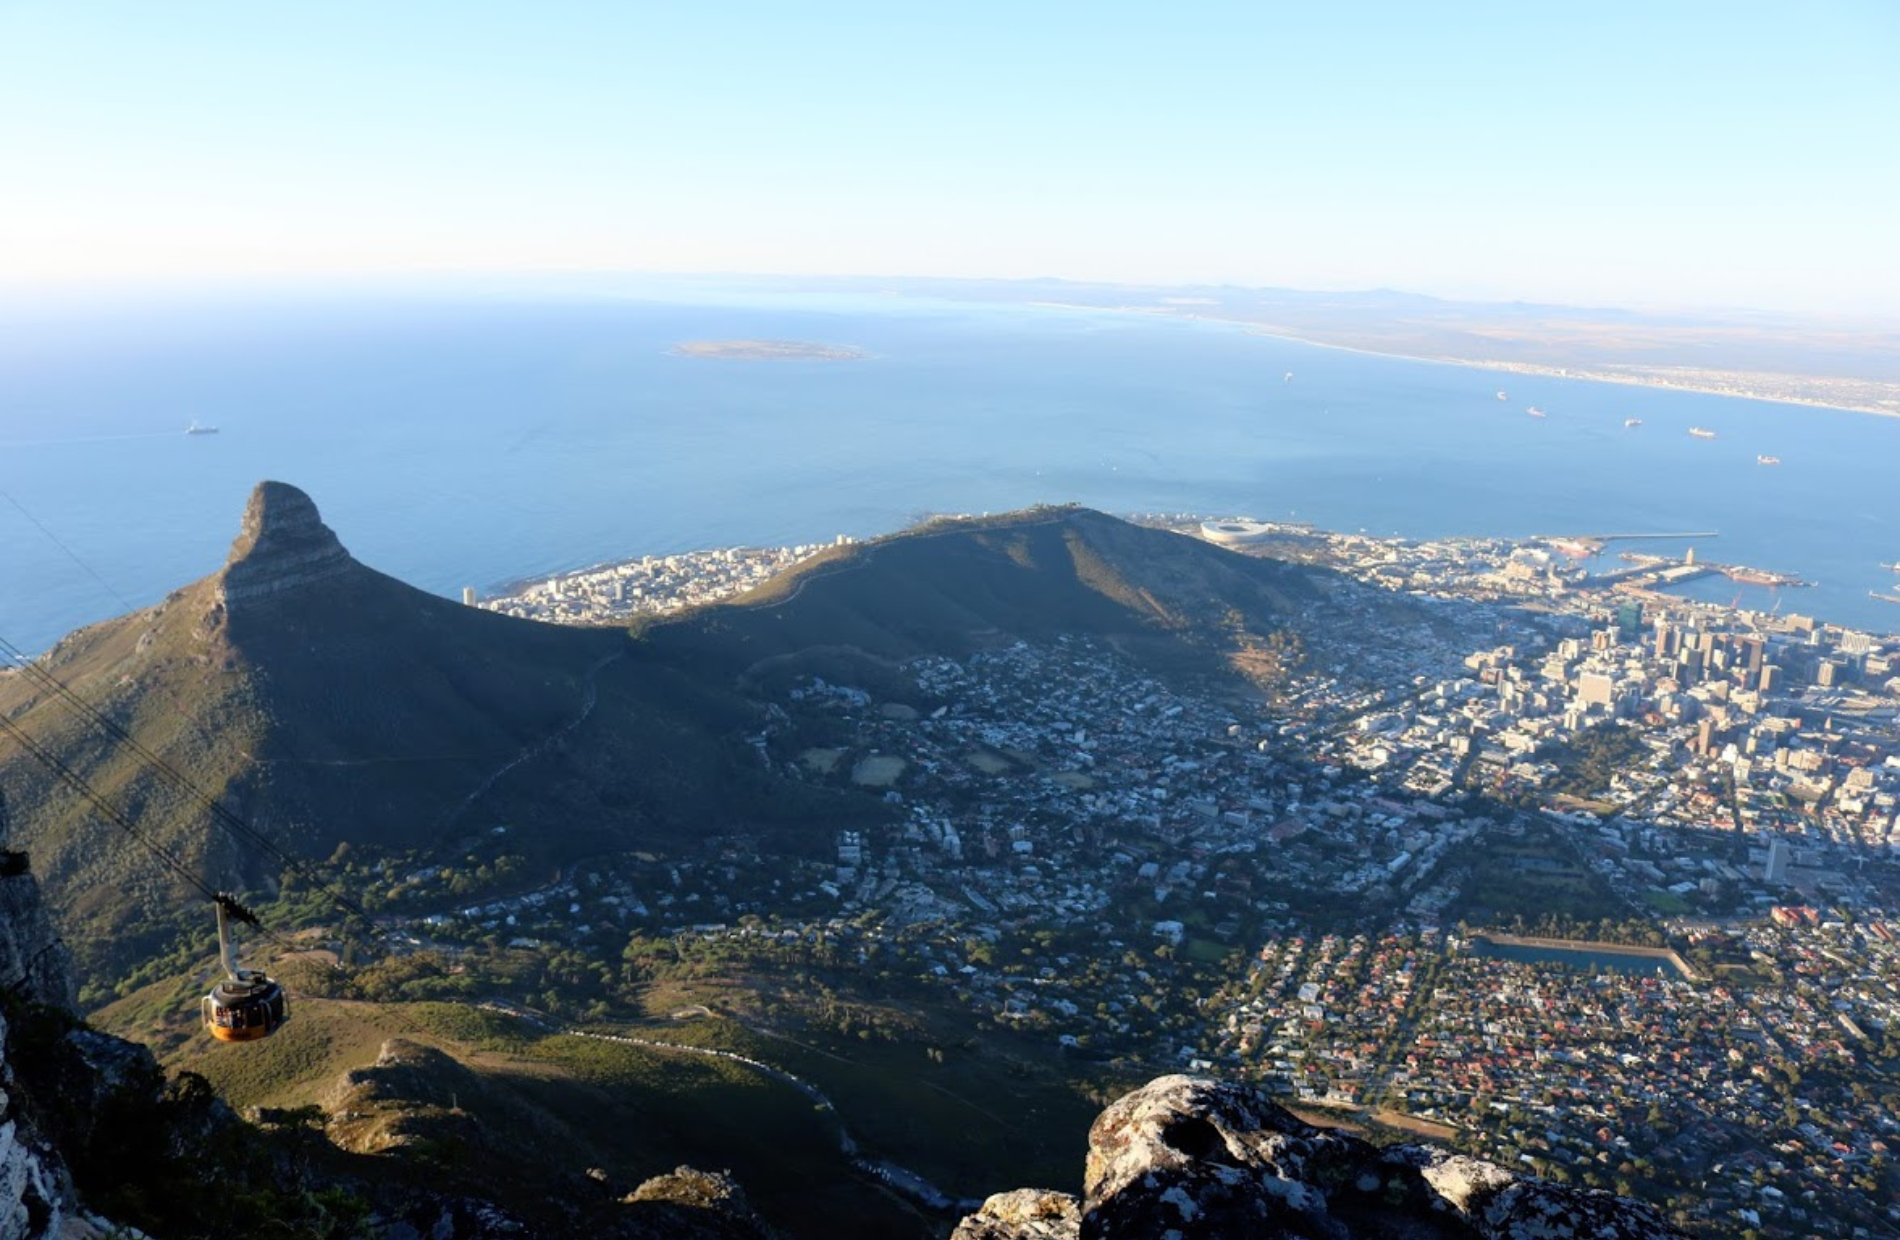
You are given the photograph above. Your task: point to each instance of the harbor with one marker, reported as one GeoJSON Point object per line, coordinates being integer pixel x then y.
{"type": "Point", "coordinates": [1644, 572]}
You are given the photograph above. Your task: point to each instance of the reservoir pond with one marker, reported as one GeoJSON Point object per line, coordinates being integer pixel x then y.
{"type": "Point", "coordinates": [1589, 958]}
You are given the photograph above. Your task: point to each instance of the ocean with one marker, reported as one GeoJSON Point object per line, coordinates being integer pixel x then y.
{"type": "Point", "coordinates": [479, 436]}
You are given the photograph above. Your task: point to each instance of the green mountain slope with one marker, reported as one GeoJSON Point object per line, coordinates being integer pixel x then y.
{"type": "Point", "coordinates": [328, 704]}
{"type": "Point", "coordinates": [1177, 603]}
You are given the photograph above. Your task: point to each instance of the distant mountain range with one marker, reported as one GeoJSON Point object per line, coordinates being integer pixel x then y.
{"type": "Point", "coordinates": [1491, 332]}
{"type": "Point", "coordinates": [327, 704]}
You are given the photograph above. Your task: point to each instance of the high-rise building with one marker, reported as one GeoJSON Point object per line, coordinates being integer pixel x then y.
{"type": "Point", "coordinates": [1775, 868]}
{"type": "Point", "coordinates": [469, 597]}
{"type": "Point", "coordinates": [1629, 620]}
{"type": "Point", "coordinates": [1770, 677]}
{"type": "Point", "coordinates": [1595, 689]}
{"type": "Point", "coordinates": [1665, 640]}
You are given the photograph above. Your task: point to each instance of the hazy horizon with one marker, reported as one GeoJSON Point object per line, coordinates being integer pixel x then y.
{"type": "Point", "coordinates": [106, 289]}
{"type": "Point", "coordinates": [1639, 158]}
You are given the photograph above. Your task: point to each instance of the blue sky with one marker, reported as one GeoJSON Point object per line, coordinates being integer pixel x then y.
{"type": "Point", "coordinates": [1660, 153]}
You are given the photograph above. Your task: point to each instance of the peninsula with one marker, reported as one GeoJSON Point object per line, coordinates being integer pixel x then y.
{"type": "Point", "coordinates": [1834, 361]}
{"type": "Point", "coordinates": [770, 351]}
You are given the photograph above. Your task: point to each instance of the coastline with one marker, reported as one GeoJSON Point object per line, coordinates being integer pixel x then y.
{"type": "Point", "coordinates": [1589, 374]}
{"type": "Point", "coordinates": [1564, 372]}
{"type": "Point", "coordinates": [1660, 384]}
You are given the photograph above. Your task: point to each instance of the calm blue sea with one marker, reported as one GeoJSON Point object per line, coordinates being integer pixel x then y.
{"type": "Point", "coordinates": [481, 437]}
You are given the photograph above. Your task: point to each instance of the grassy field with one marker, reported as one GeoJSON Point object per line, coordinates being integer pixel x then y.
{"type": "Point", "coordinates": [1018, 1119]}
{"type": "Point", "coordinates": [525, 1110]}
{"type": "Point", "coordinates": [1668, 903]}
{"type": "Point", "coordinates": [1019, 1115]}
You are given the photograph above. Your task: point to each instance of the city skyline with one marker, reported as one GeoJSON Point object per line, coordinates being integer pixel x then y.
{"type": "Point", "coordinates": [1642, 158]}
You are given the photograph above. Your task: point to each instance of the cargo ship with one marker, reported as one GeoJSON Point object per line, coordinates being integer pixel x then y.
{"type": "Point", "coordinates": [1885, 598]}
{"type": "Point", "coordinates": [1701, 432]}
{"type": "Point", "coordinates": [195, 429]}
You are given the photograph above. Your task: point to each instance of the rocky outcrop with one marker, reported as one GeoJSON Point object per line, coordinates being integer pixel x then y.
{"type": "Point", "coordinates": [688, 1204]}
{"type": "Point", "coordinates": [282, 547]}
{"type": "Point", "coordinates": [34, 962]}
{"type": "Point", "coordinates": [411, 1096]}
{"type": "Point", "coordinates": [1186, 1158]}
{"type": "Point", "coordinates": [1025, 1214]}
{"type": "Point", "coordinates": [36, 1195]}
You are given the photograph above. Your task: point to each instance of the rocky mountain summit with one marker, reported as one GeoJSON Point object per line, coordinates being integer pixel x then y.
{"type": "Point", "coordinates": [282, 546]}
{"type": "Point", "coordinates": [1187, 1158]}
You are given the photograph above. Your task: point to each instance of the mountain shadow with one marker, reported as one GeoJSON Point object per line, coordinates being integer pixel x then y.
{"type": "Point", "coordinates": [1180, 606]}
{"type": "Point", "coordinates": [326, 704]}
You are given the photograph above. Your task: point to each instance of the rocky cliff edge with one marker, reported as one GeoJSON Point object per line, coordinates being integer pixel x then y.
{"type": "Point", "coordinates": [1186, 1158]}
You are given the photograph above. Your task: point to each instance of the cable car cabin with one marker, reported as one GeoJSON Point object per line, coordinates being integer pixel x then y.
{"type": "Point", "coordinates": [245, 1006]}
{"type": "Point", "coordinates": [244, 1011]}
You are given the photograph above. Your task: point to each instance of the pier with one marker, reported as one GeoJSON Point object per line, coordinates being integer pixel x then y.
{"type": "Point", "coordinates": [1625, 537]}
{"type": "Point", "coordinates": [1660, 573]}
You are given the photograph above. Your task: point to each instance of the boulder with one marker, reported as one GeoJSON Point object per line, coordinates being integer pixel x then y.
{"type": "Point", "coordinates": [1189, 1158]}
{"type": "Point", "coordinates": [1025, 1214]}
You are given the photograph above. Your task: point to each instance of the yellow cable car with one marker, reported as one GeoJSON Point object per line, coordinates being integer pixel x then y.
{"type": "Point", "coordinates": [245, 1006]}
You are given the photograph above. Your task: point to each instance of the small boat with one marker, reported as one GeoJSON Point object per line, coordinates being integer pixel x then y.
{"type": "Point", "coordinates": [1629, 422]}
{"type": "Point", "coordinates": [1701, 433]}
{"type": "Point", "coordinates": [1767, 460]}
{"type": "Point", "coordinates": [1503, 395]}
{"type": "Point", "coordinates": [1288, 378]}
{"type": "Point", "coordinates": [1535, 412]}
{"type": "Point", "coordinates": [195, 429]}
